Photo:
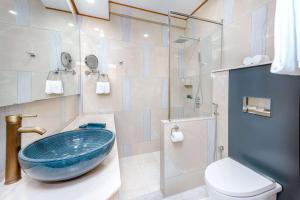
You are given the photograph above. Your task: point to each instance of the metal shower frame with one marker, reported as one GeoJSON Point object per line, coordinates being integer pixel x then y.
{"type": "Point", "coordinates": [185, 17]}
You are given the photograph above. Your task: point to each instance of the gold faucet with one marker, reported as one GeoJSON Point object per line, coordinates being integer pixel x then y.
{"type": "Point", "coordinates": [13, 145]}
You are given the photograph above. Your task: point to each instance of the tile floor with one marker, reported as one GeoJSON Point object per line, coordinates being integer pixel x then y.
{"type": "Point", "coordinates": [140, 176]}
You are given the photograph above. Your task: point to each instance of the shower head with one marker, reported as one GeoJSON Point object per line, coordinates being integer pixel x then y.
{"type": "Point", "coordinates": [180, 41]}
{"type": "Point", "coordinates": [183, 39]}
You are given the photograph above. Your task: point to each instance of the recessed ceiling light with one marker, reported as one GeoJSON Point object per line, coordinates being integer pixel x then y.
{"type": "Point", "coordinates": [96, 29]}
{"type": "Point", "coordinates": [146, 35]}
{"type": "Point", "coordinates": [71, 24]}
{"type": "Point", "coordinates": [90, 1]}
{"type": "Point", "coordinates": [12, 12]}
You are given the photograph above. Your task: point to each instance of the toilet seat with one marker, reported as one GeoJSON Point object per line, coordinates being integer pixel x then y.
{"type": "Point", "coordinates": [231, 178]}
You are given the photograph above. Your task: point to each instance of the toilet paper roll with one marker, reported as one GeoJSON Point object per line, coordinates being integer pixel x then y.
{"type": "Point", "coordinates": [258, 59]}
{"type": "Point", "coordinates": [177, 136]}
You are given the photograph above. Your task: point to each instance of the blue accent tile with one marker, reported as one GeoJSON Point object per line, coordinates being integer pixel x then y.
{"type": "Point", "coordinates": [165, 35]}
{"type": "Point", "coordinates": [24, 87]}
{"type": "Point", "coordinates": [181, 63]}
{"type": "Point", "coordinates": [147, 124]}
{"type": "Point", "coordinates": [259, 31]}
{"type": "Point", "coordinates": [164, 93]}
{"type": "Point", "coordinates": [211, 140]}
{"type": "Point", "coordinates": [228, 11]}
{"type": "Point", "coordinates": [103, 55]}
{"type": "Point", "coordinates": [127, 150]}
{"type": "Point", "coordinates": [23, 12]}
{"type": "Point", "coordinates": [126, 93]}
{"type": "Point", "coordinates": [126, 28]}
{"type": "Point", "coordinates": [55, 50]}
{"type": "Point", "coordinates": [147, 59]}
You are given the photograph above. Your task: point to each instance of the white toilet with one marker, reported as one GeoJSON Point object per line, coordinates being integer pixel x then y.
{"type": "Point", "coordinates": [227, 179]}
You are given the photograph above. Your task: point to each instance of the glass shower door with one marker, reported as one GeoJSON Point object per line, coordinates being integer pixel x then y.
{"type": "Point", "coordinates": [195, 51]}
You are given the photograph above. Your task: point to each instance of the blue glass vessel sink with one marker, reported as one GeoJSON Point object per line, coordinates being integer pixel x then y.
{"type": "Point", "coordinates": [66, 155]}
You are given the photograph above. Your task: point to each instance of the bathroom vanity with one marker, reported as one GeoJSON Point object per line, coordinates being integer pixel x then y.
{"type": "Point", "coordinates": [100, 184]}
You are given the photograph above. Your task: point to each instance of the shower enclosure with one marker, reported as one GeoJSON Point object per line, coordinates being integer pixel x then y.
{"type": "Point", "coordinates": [194, 51]}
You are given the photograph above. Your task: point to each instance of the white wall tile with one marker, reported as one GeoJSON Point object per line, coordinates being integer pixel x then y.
{"type": "Point", "coordinates": [139, 86]}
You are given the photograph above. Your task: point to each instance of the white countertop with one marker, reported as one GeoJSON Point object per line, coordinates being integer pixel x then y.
{"type": "Point", "coordinates": [241, 67]}
{"type": "Point", "coordinates": [100, 184]}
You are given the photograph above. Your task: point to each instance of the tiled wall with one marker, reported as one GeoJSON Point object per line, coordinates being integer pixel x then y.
{"type": "Point", "coordinates": [248, 30]}
{"type": "Point", "coordinates": [248, 27]}
{"type": "Point", "coordinates": [183, 164]}
{"type": "Point", "coordinates": [139, 86]}
{"type": "Point", "coordinates": [53, 115]}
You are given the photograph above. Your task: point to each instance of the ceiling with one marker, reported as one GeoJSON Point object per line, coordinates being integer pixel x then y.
{"type": "Point", "coordinates": [101, 8]}
{"type": "Point", "coordinates": [164, 6]}
{"type": "Point", "coordinates": [57, 4]}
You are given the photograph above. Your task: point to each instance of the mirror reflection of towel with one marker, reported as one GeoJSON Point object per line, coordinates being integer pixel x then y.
{"type": "Point", "coordinates": [54, 87]}
{"type": "Point", "coordinates": [103, 88]}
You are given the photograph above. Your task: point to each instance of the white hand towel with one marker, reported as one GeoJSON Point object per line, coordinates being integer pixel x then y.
{"type": "Point", "coordinates": [258, 59]}
{"type": "Point", "coordinates": [286, 38]}
{"type": "Point", "coordinates": [103, 88]}
{"type": "Point", "coordinates": [54, 87]}
{"type": "Point", "coordinates": [248, 61]}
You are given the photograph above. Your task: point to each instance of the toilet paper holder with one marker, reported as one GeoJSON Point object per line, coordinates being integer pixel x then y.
{"type": "Point", "coordinates": [175, 128]}
{"type": "Point", "coordinates": [176, 135]}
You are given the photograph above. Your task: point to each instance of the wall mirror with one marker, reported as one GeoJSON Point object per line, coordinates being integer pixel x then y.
{"type": "Point", "coordinates": [66, 60]}
{"type": "Point", "coordinates": [31, 47]}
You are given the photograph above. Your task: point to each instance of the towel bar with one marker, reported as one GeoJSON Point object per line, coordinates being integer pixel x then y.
{"type": "Point", "coordinates": [57, 71]}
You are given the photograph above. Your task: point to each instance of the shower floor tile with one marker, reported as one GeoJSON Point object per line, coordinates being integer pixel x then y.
{"type": "Point", "coordinates": [140, 176]}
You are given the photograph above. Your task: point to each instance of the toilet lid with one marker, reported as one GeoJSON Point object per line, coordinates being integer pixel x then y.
{"type": "Point", "coordinates": [231, 178]}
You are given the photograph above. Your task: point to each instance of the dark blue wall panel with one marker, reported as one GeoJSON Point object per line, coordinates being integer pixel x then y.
{"type": "Point", "coordinates": [269, 145]}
